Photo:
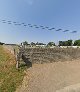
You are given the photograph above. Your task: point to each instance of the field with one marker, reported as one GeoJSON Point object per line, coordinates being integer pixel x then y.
{"type": "Point", "coordinates": [10, 77]}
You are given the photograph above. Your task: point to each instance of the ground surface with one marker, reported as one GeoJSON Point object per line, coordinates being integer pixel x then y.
{"type": "Point", "coordinates": [52, 77]}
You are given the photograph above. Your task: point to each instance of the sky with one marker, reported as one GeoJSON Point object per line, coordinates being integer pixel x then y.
{"type": "Point", "coordinates": [60, 14]}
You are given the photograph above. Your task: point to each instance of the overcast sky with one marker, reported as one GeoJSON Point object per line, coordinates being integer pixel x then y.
{"type": "Point", "coordinates": [60, 14]}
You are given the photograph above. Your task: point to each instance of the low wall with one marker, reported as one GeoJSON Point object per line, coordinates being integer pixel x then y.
{"type": "Point", "coordinates": [42, 55]}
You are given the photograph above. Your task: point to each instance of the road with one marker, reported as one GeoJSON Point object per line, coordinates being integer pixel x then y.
{"type": "Point", "coordinates": [52, 77]}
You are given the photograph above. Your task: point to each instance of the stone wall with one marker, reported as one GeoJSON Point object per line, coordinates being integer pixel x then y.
{"type": "Point", "coordinates": [46, 55]}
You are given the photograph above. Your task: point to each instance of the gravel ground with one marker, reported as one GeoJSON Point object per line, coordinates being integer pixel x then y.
{"type": "Point", "coordinates": [52, 77]}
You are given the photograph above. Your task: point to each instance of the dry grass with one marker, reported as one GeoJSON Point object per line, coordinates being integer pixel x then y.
{"type": "Point", "coordinates": [10, 78]}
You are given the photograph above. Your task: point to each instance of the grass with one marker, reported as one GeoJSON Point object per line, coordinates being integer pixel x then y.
{"type": "Point", "coordinates": [10, 77]}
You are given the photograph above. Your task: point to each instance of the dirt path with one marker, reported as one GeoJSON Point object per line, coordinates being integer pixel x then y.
{"type": "Point", "coordinates": [51, 77]}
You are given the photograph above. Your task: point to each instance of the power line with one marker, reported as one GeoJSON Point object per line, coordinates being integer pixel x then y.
{"type": "Point", "coordinates": [34, 26]}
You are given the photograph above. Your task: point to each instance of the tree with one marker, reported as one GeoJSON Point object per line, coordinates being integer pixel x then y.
{"type": "Point", "coordinates": [65, 43]}
{"type": "Point", "coordinates": [33, 44]}
{"type": "Point", "coordinates": [69, 43]}
{"type": "Point", "coordinates": [61, 43]}
{"type": "Point", "coordinates": [25, 43]}
{"type": "Point", "coordinates": [76, 43]}
{"type": "Point", "coordinates": [40, 43]}
{"type": "Point", "coordinates": [1, 43]}
{"type": "Point", "coordinates": [51, 44]}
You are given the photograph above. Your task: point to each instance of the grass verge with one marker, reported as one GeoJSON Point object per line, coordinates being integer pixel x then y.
{"type": "Point", "coordinates": [10, 77]}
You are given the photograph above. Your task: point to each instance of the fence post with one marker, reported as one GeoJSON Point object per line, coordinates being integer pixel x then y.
{"type": "Point", "coordinates": [18, 56]}
{"type": "Point", "coordinates": [17, 61]}
{"type": "Point", "coordinates": [14, 52]}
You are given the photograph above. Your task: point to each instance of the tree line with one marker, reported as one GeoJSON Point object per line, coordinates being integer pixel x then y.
{"type": "Point", "coordinates": [61, 43]}
{"type": "Point", "coordinates": [69, 43]}
{"type": "Point", "coordinates": [1, 43]}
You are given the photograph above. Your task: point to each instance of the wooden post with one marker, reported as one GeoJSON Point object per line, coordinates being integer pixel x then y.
{"type": "Point", "coordinates": [17, 64]}
{"type": "Point", "coordinates": [14, 52]}
{"type": "Point", "coordinates": [17, 61]}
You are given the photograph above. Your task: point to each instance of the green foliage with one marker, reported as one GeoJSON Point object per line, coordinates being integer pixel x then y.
{"type": "Point", "coordinates": [40, 43]}
{"type": "Point", "coordinates": [69, 42]}
{"type": "Point", "coordinates": [33, 44]}
{"type": "Point", "coordinates": [1, 43]}
{"type": "Point", "coordinates": [51, 44]}
{"type": "Point", "coordinates": [10, 77]}
{"type": "Point", "coordinates": [76, 43]}
{"type": "Point", "coordinates": [65, 43]}
{"type": "Point", "coordinates": [25, 43]}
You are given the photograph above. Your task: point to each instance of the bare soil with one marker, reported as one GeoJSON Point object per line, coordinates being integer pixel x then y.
{"type": "Point", "coordinates": [52, 77]}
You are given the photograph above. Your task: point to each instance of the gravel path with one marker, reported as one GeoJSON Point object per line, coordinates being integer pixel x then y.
{"type": "Point", "coordinates": [51, 77]}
